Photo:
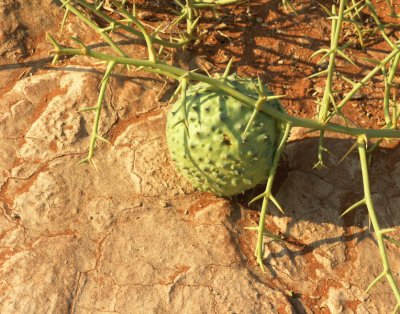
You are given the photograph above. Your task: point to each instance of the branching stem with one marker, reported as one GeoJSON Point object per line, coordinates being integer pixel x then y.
{"type": "Point", "coordinates": [266, 195]}
{"type": "Point", "coordinates": [374, 220]}
{"type": "Point", "coordinates": [95, 131]}
{"type": "Point", "coordinates": [97, 29]}
{"type": "Point", "coordinates": [175, 73]}
{"type": "Point", "coordinates": [328, 92]}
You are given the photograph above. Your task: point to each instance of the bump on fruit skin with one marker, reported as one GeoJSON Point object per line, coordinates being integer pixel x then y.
{"type": "Point", "coordinates": [213, 156]}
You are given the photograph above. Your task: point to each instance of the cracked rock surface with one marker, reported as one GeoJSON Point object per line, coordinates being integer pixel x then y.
{"type": "Point", "coordinates": [116, 240]}
{"type": "Point", "coordinates": [132, 236]}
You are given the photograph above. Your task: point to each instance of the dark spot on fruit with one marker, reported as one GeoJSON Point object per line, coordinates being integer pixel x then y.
{"type": "Point", "coordinates": [226, 140]}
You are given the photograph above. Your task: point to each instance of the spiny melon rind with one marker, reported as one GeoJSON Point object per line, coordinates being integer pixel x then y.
{"type": "Point", "coordinates": [214, 156]}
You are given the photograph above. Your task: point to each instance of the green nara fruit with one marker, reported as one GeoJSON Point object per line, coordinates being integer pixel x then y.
{"type": "Point", "coordinates": [212, 153]}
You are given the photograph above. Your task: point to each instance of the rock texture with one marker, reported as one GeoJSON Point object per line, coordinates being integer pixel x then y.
{"type": "Point", "coordinates": [125, 238]}
{"type": "Point", "coordinates": [132, 236]}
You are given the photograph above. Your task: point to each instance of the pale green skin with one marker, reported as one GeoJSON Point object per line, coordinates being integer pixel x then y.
{"type": "Point", "coordinates": [214, 157]}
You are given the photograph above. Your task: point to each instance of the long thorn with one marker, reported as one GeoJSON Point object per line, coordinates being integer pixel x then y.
{"type": "Point", "coordinates": [375, 281]}
{"type": "Point", "coordinates": [348, 210]}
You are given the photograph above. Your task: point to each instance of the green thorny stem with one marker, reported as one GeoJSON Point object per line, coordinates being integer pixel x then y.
{"type": "Point", "coordinates": [177, 73]}
{"type": "Point", "coordinates": [95, 135]}
{"type": "Point", "coordinates": [328, 97]}
{"type": "Point", "coordinates": [390, 120]}
{"type": "Point", "coordinates": [355, 16]}
{"type": "Point", "coordinates": [322, 124]}
{"type": "Point", "coordinates": [266, 196]}
{"type": "Point", "coordinates": [325, 111]}
{"type": "Point", "coordinates": [189, 11]}
{"type": "Point", "coordinates": [379, 233]}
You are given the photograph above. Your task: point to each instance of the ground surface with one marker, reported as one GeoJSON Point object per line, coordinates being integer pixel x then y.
{"type": "Point", "coordinates": [133, 236]}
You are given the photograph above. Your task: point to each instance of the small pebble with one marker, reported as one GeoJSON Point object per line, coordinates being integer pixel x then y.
{"type": "Point", "coordinates": [221, 26]}
{"type": "Point", "coordinates": [280, 61]}
{"type": "Point", "coordinates": [146, 16]}
{"type": "Point", "coordinates": [259, 20]}
{"type": "Point", "coordinates": [323, 65]}
{"type": "Point", "coordinates": [357, 96]}
{"type": "Point", "coordinates": [15, 216]}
